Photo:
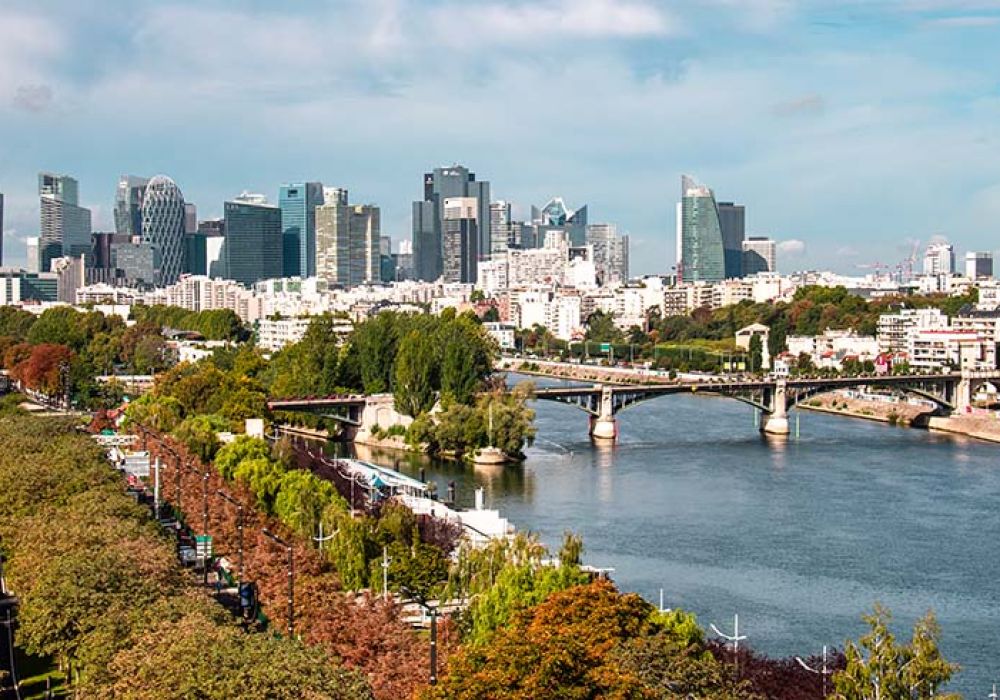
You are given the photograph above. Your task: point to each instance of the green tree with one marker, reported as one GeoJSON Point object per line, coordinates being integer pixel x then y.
{"type": "Point", "coordinates": [302, 500]}
{"type": "Point", "coordinates": [200, 434]}
{"type": "Point", "coordinates": [880, 667]}
{"type": "Point", "coordinates": [230, 455]}
{"type": "Point", "coordinates": [376, 342]}
{"type": "Point", "coordinates": [601, 328]}
{"type": "Point", "coordinates": [416, 375]}
{"type": "Point", "coordinates": [756, 352]}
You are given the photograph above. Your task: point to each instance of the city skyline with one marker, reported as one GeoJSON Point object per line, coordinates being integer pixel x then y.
{"type": "Point", "coordinates": [846, 129]}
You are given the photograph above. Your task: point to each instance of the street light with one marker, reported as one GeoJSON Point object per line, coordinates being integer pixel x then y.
{"type": "Point", "coordinates": [433, 610]}
{"type": "Point", "coordinates": [823, 672]}
{"type": "Point", "coordinates": [291, 579]}
{"type": "Point", "coordinates": [735, 638]}
{"type": "Point", "coordinates": [239, 529]}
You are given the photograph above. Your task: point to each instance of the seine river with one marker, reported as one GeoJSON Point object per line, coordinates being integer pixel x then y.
{"type": "Point", "coordinates": [799, 537]}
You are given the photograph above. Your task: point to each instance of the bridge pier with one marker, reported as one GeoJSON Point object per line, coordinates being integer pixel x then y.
{"type": "Point", "coordinates": [605, 426]}
{"type": "Point", "coordinates": [776, 422]}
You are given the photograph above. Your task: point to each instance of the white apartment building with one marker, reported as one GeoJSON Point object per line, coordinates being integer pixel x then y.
{"type": "Point", "coordinates": [200, 293]}
{"type": "Point", "coordinates": [502, 333]}
{"type": "Point", "coordinates": [106, 294]}
{"type": "Point", "coordinates": [275, 333]}
{"type": "Point", "coordinates": [939, 259]}
{"type": "Point", "coordinates": [831, 347]}
{"type": "Point", "coordinates": [894, 329]}
{"type": "Point", "coordinates": [935, 349]}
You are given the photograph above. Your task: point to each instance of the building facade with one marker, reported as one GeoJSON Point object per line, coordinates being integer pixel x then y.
{"type": "Point", "coordinates": [428, 218]}
{"type": "Point", "coordinates": [759, 255]}
{"type": "Point", "coordinates": [702, 251]}
{"type": "Point", "coordinates": [163, 226]}
{"type": "Point", "coordinates": [978, 266]}
{"type": "Point", "coordinates": [732, 220]}
{"type": "Point", "coordinates": [65, 225]}
{"type": "Point", "coordinates": [348, 243]}
{"type": "Point", "coordinates": [252, 248]}
{"type": "Point", "coordinates": [298, 202]}
{"type": "Point", "coordinates": [461, 239]}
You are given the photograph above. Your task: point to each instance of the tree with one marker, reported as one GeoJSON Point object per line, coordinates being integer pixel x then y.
{"type": "Point", "coordinates": [877, 666]}
{"type": "Point", "coordinates": [45, 369]}
{"type": "Point", "coordinates": [200, 434]}
{"type": "Point", "coordinates": [229, 456]}
{"type": "Point", "coordinates": [376, 342]}
{"type": "Point", "coordinates": [756, 353]}
{"type": "Point", "coordinates": [601, 328]}
{"type": "Point", "coordinates": [302, 500]}
{"type": "Point", "coordinates": [416, 375]}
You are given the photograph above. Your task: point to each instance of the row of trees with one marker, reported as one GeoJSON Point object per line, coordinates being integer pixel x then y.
{"type": "Point", "coordinates": [102, 595]}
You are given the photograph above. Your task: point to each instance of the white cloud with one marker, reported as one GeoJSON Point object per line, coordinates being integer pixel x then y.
{"type": "Point", "coordinates": [478, 24]}
{"type": "Point", "coordinates": [793, 248]}
{"type": "Point", "coordinates": [28, 43]}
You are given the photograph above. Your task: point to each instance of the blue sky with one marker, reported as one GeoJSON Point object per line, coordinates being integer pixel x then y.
{"type": "Point", "coordinates": [849, 129]}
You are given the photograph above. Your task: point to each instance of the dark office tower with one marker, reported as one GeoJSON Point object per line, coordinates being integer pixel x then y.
{"type": "Point", "coordinates": [128, 205]}
{"type": "Point", "coordinates": [702, 254]}
{"type": "Point", "coordinates": [252, 249]}
{"type": "Point", "coordinates": [298, 202]}
{"type": "Point", "coordinates": [196, 253]}
{"type": "Point", "coordinates": [428, 217]}
{"type": "Point", "coordinates": [732, 219]}
{"type": "Point", "coordinates": [65, 225]}
{"type": "Point", "coordinates": [461, 239]}
{"type": "Point", "coordinates": [1, 229]}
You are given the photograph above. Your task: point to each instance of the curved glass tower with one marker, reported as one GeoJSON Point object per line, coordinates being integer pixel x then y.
{"type": "Point", "coordinates": [163, 228]}
{"type": "Point", "coordinates": [703, 257]}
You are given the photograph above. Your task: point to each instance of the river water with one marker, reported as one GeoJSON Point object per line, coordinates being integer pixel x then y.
{"type": "Point", "coordinates": [797, 536]}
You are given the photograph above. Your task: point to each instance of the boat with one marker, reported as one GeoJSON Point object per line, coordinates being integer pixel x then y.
{"type": "Point", "coordinates": [490, 454]}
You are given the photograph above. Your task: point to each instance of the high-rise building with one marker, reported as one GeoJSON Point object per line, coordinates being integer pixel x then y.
{"type": "Point", "coordinates": [939, 259]}
{"type": "Point", "coordinates": [555, 215]}
{"type": "Point", "coordinates": [759, 255]}
{"type": "Point", "coordinates": [732, 219]}
{"type": "Point", "coordinates": [461, 239]}
{"type": "Point", "coordinates": [298, 202]}
{"type": "Point", "coordinates": [65, 225]}
{"type": "Point", "coordinates": [190, 218]}
{"type": "Point", "coordinates": [428, 218]}
{"type": "Point", "coordinates": [252, 247]}
{"type": "Point", "coordinates": [163, 228]}
{"type": "Point", "coordinates": [610, 253]}
{"type": "Point", "coordinates": [1, 229]}
{"type": "Point", "coordinates": [978, 265]}
{"type": "Point", "coordinates": [128, 205]}
{"type": "Point", "coordinates": [33, 263]}
{"type": "Point", "coordinates": [348, 243]}
{"type": "Point", "coordinates": [702, 251]}
{"type": "Point", "coordinates": [501, 228]}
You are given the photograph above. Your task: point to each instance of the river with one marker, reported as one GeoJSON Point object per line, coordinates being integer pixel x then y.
{"type": "Point", "coordinates": [798, 536]}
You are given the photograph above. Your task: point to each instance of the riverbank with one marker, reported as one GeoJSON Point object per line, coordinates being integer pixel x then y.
{"type": "Point", "coordinates": [979, 426]}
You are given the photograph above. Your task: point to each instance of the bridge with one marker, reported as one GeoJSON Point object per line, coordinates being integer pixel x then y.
{"type": "Point", "coordinates": [773, 397]}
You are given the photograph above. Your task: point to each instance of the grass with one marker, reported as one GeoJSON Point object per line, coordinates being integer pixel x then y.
{"type": "Point", "coordinates": [33, 671]}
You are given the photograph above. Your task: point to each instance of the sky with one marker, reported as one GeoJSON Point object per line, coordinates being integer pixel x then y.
{"type": "Point", "coordinates": [852, 130]}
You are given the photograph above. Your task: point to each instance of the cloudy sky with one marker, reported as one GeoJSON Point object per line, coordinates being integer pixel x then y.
{"type": "Point", "coordinates": [849, 129]}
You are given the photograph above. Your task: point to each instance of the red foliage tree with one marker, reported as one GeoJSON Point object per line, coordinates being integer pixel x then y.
{"type": "Point", "coordinates": [42, 370]}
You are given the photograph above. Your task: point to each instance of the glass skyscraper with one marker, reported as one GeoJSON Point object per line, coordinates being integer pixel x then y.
{"type": "Point", "coordinates": [298, 202]}
{"type": "Point", "coordinates": [163, 228]}
{"type": "Point", "coordinates": [128, 205]}
{"type": "Point", "coordinates": [348, 243]}
{"type": "Point", "coordinates": [252, 249]}
{"type": "Point", "coordinates": [732, 219]}
{"type": "Point", "coordinates": [702, 252]}
{"type": "Point", "coordinates": [65, 225]}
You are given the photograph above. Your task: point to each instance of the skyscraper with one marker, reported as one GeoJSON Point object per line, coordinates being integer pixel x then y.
{"type": "Point", "coordinates": [501, 228]}
{"type": "Point", "coordinates": [428, 217]}
{"type": "Point", "coordinates": [702, 251]}
{"type": "Point", "coordinates": [461, 239]}
{"type": "Point", "coordinates": [732, 219]}
{"type": "Point", "coordinates": [556, 215]}
{"type": "Point", "coordinates": [252, 248]}
{"type": "Point", "coordinates": [759, 255]}
{"type": "Point", "coordinates": [163, 228]}
{"type": "Point", "coordinates": [939, 259]}
{"type": "Point", "coordinates": [298, 202]}
{"type": "Point", "coordinates": [978, 265]}
{"type": "Point", "coordinates": [1, 229]}
{"type": "Point", "coordinates": [348, 243]}
{"type": "Point", "coordinates": [128, 205]}
{"type": "Point", "coordinates": [610, 253]}
{"type": "Point", "coordinates": [65, 225]}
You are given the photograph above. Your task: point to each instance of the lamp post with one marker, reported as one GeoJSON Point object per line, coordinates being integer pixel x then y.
{"type": "Point", "coordinates": [433, 610]}
{"type": "Point", "coordinates": [735, 638]}
{"type": "Point", "coordinates": [823, 672]}
{"type": "Point", "coordinates": [291, 579]}
{"type": "Point", "coordinates": [239, 530]}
